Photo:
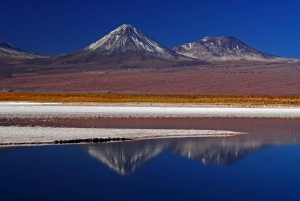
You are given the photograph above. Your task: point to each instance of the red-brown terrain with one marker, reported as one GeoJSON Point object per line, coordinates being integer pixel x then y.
{"type": "Point", "coordinates": [225, 78]}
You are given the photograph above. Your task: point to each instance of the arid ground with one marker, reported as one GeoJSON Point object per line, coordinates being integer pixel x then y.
{"type": "Point", "coordinates": [275, 79]}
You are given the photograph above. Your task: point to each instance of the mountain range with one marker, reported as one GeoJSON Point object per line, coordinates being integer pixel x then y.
{"type": "Point", "coordinates": [128, 42]}
{"type": "Point", "coordinates": [128, 61]}
{"type": "Point", "coordinates": [7, 49]}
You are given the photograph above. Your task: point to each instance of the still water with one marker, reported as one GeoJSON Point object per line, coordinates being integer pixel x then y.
{"type": "Point", "coordinates": [263, 165]}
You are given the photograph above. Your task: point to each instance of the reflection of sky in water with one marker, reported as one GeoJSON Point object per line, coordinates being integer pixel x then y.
{"type": "Point", "coordinates": [260, 166]}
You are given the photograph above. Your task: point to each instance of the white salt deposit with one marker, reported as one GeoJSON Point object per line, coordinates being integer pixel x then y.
{"type": "Point", "coordinates": [17, 135]}
{"type": "Point", "coordinates": [56, 110]}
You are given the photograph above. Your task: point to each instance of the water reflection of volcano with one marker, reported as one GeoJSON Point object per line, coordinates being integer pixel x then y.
{"type": "Point", "coordinates": [214, 151]}
{"type": "Point", "coordinates": [126, 157]}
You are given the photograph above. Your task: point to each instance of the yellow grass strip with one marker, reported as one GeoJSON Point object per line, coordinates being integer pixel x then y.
{"type": "Point", "coordinates": [158, 98]}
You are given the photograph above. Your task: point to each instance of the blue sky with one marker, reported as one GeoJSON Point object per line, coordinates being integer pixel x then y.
{"type": "Point", "coordinates": [56, 27]}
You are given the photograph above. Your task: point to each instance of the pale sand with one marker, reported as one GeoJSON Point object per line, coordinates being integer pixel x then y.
{"type": "Point", "coordinates": [48, 135]}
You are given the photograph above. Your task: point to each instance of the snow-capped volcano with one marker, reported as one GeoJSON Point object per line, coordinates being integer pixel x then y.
{"type": "Point", "coordinates": [7, 49]}
{"type": "Point", "coordinates": [128, 39]}
{"type": "Point", "coordinates": [223, 48]}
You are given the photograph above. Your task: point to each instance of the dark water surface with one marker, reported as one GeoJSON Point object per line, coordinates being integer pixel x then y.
{"type": "Point", "coordinates": [263, 165]}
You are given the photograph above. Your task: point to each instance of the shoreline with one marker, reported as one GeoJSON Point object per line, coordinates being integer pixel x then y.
{"type": "Point", "coordinates": [24, 135]}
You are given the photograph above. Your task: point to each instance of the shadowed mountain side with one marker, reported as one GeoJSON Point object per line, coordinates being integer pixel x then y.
{"type": "Point", "coordinates": [126, 157]}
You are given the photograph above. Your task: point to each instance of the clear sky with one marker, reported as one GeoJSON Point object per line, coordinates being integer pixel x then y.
{"type": "Point", "coordinates": [52, 27]}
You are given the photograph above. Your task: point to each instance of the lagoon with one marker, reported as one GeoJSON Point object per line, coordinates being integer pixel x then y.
{"type": "Point", "coordinates": [262, 165]}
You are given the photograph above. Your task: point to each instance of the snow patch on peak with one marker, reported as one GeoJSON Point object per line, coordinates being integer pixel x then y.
{"type": "Point", "coordinates": [126, 25]}
{"type": "Point", "coordinates": [206, 38]}
{"type": "Point", "coordinates": [114, 35]}
{"type": "Point", "coordinates": [187, 46]}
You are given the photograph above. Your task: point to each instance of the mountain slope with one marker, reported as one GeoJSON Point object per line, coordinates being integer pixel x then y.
{"type": "Point", "coordinates": [10, 50]}
{"type": "Point", "coordinates": [224, 48]}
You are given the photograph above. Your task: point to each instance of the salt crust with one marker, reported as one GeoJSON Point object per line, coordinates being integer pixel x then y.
{"type": "Point", "coordinates": [49, 134]}
{"type": "Point", "coordinates": [11, 109]}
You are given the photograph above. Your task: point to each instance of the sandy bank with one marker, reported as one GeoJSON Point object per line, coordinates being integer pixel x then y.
{"type": "Point", "coordinates": [11, 110]}
{"type": "Point", "coordinates": [48, 135]}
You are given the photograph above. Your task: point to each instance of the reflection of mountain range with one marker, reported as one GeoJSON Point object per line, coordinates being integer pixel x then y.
{"type": "Point", "coordinates": [215, 152]}
{"type": "Point", "coordinates": [126, 157]}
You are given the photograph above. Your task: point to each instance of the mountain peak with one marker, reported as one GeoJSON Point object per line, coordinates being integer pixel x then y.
{"type": "Point", "coordinates": [7, 49]}
{"type": "Point", "coordinates": [223, 42]}
{"type": "Point", "coordinates": [222, 48]}
{"type": "Point", "coordinates": [127, 26]}
{"type": "Point", "coordinates": [124, 27]}
{"type": "Point", "coordinates": [223, 39]}
{"type": "Point", "coordinates": [8, 45]}
{"type": "Point", "coordinates": [219, 37]}
{"type": "Point", "coordinates": [126, 38]}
